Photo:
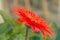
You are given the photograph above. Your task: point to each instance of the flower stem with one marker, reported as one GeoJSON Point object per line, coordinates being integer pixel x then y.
{"type": "Point", "coordinates": [26, 37]}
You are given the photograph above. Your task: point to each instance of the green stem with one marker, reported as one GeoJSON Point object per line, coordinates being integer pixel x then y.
{"type": "Point", "coordinates": [26, 37]}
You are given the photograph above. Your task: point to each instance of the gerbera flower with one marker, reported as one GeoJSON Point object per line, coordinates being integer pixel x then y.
{"type": "Point", "coordinates": [33, 21]}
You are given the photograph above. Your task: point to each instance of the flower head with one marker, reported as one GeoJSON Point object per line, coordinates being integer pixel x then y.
{"type": "Point", "coordinates": [33, 21]}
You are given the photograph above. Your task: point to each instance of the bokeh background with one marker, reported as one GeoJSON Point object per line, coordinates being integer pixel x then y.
{"type": "Point", "coordinates": [49, 10]}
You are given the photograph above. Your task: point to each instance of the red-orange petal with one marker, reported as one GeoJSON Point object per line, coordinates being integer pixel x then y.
{"type": "Point", "coordinates": [19, 19]}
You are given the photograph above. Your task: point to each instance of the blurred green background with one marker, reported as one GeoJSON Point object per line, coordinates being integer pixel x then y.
{"type": "Point", "coordinates": [49, 10]}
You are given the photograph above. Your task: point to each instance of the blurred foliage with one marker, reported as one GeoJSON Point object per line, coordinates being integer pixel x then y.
{"type": "Point", "coordinates": [12, 30]}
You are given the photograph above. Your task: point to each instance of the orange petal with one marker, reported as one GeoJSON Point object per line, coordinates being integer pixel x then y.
{"type": "Point", "coordinates": [19, 19]}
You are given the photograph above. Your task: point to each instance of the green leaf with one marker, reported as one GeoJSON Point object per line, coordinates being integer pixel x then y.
{"type": "Point", "coordinates": [4, 28]}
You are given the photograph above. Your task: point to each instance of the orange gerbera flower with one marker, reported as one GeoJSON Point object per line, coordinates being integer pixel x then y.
{"type": "Point", "coordinates": [33, 21]}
